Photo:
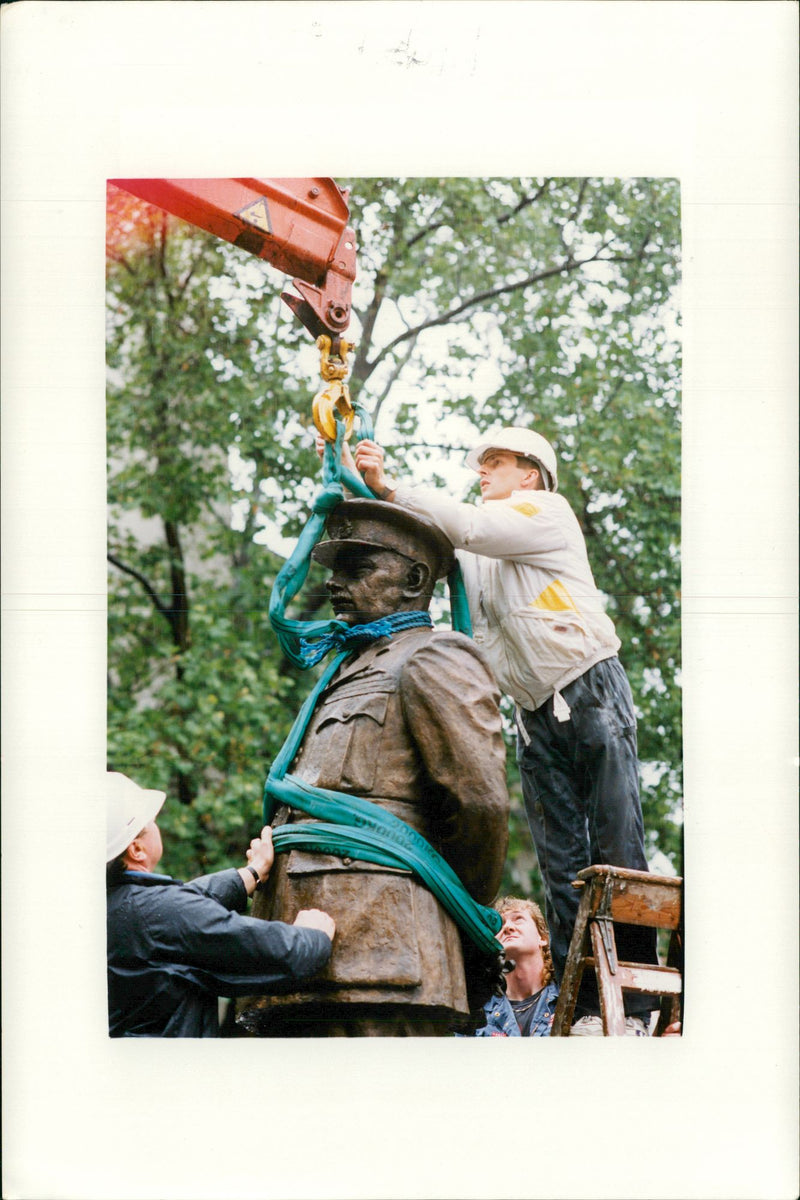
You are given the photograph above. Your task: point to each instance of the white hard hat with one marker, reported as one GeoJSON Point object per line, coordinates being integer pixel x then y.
{"type": "Point", "coordinates": [523, 442]}
{"type": "Point", "coordinates": [128, 809]}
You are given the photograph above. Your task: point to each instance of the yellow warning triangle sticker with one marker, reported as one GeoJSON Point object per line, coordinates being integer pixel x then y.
{"type": "Point", "coordinates": [554, 598]}
{"type": "Point", "coordinates": [256, 214]}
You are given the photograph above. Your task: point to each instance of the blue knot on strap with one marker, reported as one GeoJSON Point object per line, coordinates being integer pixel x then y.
{"type": "Point", "coordinates": [350, 637]}
{"type": "Point", "coordinates": [327, 498]}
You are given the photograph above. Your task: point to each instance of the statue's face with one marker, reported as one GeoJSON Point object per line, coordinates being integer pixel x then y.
{"type": "Point", "coordinates": [366, 584]}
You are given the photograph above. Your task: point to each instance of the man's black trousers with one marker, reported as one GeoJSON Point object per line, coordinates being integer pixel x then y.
{"type": "Point", "coordinates": [580, 784]}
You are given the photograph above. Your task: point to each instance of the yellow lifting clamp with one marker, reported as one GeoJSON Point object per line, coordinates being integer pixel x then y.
{"type": "Point", "coordinates": [336, 396]}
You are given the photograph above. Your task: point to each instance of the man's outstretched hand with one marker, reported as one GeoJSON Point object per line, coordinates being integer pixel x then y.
{"type": "Point", "coordinates": [369, 461]}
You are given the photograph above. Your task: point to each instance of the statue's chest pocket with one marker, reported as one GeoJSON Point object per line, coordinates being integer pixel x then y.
{"type": "Point", "coordinates": [345, 747]}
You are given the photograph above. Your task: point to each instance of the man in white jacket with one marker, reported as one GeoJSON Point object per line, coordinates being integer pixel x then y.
{"type": "Point", "coordinates": [539, 618]}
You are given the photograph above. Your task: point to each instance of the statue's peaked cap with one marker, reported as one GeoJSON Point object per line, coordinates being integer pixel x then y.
{"type": "Point", "coordinates": [386, 527]}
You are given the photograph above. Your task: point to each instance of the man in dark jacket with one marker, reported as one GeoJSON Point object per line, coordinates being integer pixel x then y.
{"type": "Point", "coordinates": [410, 723]}
{"type": "Point", "coordinates": [174, 948]}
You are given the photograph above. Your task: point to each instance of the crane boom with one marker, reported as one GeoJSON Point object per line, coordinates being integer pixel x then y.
{"type": "Point", "coordinates": [300, 226]}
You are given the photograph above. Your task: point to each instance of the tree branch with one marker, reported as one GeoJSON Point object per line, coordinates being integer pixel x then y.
{"type": "Point", "coordinates": [639, 258]}
{"type": "Point", "coordinates": [193, 265]}
{"type": "Point", "coordinates": [146, 585]}
{"type": "Point", "coordinates": [579, 202]}
{"type": "Point", "coordinates": [361, 368]}
{"type": "Point", "coordinates": [123, 262]}
{"type": "Point", "coordinates": [421, 233]}
{"type": "Point", "coordinates": [393, 379]}
{"type": "Point", "coordinates": [524, 203]}
{"type": "Point", "coordinates": [179, 609]}
{"type": "Point", "coordinates": [573, 216]}
{"type": "Point", "coordinates": [479, 298]}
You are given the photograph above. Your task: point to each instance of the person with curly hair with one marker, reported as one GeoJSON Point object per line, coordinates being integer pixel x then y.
{"type": "Point", "coordinates": [528, 1007]}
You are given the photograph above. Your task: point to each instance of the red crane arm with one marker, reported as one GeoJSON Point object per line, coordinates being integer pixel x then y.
{"type": "Point", "coordinates": [297, 225]}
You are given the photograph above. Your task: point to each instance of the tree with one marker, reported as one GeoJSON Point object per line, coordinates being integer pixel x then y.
{"type": "Point", "coordinates": [198, 696]}
{"type": "Point", "coordinates": [478, 302]}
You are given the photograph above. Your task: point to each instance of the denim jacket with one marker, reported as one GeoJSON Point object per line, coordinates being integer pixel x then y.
{"type": "Point", "coordinates": [501, 1022]}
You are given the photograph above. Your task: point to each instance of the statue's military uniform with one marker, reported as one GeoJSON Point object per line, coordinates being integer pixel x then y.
{"type": "Point", "coordinates": [413, 725]}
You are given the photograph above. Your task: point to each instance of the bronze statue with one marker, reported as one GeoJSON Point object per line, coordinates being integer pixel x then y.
{"type": "Point", "coordinates": [412, 724]}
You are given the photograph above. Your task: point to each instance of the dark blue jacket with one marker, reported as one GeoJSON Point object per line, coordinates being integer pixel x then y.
{"type": "Point", "coordinates": [174, 948]}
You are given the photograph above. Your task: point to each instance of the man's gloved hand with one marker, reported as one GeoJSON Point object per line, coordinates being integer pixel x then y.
{"type": "Point", "coordinates": [484, 972]}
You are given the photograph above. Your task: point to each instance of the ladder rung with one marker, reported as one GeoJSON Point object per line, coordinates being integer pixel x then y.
{"type": "Point", "coordinates": [643, 977]}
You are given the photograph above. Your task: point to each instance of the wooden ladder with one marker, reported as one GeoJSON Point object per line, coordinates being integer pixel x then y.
{"type": "Point", "coordinates": [615, 894]}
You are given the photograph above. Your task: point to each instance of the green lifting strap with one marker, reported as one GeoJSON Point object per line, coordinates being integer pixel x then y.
{"type": "Point", "coordinates": [292, 576]}
{"type": "Point", "coordinates": [366, 831]}
{"type": "Point", "coordinates": [346, 825]}
{"type": "Point", "coordinates": [459, 606]}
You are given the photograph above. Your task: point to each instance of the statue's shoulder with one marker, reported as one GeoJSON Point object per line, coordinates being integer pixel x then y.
{"type": "Point", "coordinates": [446, 645]}
{"type": "Point", "coordinates": [448, 665]}
{"type": "Point", "coordinates": [412, 640]}
{"type": "Point", "coordinates": [451, 639]}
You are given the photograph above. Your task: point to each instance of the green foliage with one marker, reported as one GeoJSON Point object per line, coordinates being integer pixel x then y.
{"type": "Point", "coordinates": [478, 302]}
